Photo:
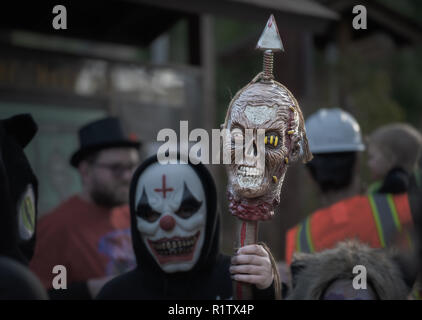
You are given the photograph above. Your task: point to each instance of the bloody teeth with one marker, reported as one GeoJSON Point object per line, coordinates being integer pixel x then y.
{"type": "Point", "coordinates": [174, 247]}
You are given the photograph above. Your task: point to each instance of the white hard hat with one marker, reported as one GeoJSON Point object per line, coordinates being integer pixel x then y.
{"type": "Point", "coordinates": [333, 130]}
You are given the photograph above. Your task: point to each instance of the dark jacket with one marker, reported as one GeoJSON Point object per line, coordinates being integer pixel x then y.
{"type": "Point", "coordinates": [208, 279]}
{"type": "Point", "coordinates": [18, 211]}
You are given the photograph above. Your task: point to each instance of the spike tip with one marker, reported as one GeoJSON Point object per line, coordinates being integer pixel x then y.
{"type": "Point", "coordinates": [270, 37]}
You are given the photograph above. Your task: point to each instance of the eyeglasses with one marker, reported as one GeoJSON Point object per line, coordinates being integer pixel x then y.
{"type": "Point", "coordinates": [116, 168]}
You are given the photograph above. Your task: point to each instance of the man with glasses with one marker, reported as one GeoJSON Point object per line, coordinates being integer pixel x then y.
{"type": "Point", "coordinates": [89, 233]}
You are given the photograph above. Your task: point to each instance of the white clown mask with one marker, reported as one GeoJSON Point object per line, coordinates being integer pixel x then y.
{"type": "Point", "coordinates": [171, 215]}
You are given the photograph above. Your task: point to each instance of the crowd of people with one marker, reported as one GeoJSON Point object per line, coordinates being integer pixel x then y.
{"type": "Point", "coordinates": [143, 230]}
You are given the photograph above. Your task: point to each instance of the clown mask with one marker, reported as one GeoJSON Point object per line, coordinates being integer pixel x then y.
{"type": "Point", "coordinates": [171, 214]}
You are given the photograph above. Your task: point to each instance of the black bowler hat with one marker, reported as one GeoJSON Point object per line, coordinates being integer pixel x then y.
{"type": "Point", "coordinates": [101, 134]}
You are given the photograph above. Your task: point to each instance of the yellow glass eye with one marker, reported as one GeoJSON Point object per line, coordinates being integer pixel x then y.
{"type": "Point", "coordinates": [276, 141]}
{"type": "Point", "coordinates": [266, 139]}
{"type": "Point", "coordinates": [271, 139]}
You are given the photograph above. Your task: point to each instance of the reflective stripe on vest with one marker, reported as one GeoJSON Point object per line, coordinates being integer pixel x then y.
{"type": "Point", "coordinates": [386, 218]}
{"type": "Point", "coordinates": [304, 238]}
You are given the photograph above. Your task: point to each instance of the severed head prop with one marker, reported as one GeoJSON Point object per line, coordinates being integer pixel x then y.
{"type": "Point", "coordinates": [265, 132]}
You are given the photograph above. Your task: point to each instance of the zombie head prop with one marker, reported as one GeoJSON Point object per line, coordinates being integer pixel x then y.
{"type": "Point", "coordinates": [265, 127]}
{"type": "Point", "coordinates": [169, 205]}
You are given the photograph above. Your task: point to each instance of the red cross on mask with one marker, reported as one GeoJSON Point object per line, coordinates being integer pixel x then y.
{"type": "Point", "coordinates": [164, 190]}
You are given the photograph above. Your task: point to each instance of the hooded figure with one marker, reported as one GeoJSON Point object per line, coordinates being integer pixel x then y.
{"type": "Point", "coordinates": [18, 210]}
{"type": "Point", "coordinates": [175, 233]}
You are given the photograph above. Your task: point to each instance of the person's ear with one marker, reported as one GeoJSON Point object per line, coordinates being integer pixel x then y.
{"type": "Point", "coordinates": [85, 169]}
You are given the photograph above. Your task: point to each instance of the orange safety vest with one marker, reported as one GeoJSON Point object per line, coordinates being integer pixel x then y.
{"type": "Point", "coordinates": [378, 220]}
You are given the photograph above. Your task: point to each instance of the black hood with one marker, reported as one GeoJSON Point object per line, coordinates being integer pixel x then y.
{"type": "Point", "coordinates": [210, 248]}
{"type": "Point", "coordinates": [15, 177]}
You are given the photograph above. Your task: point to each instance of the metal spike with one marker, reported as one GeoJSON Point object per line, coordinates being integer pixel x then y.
{"type": "Point", "coordinates": [270, 37]}
{"type": "Point", "coordinates": [270, 42]}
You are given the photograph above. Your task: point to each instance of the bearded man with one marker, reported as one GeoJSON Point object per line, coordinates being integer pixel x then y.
{"type": "Point", "coordinates": [89, 233]}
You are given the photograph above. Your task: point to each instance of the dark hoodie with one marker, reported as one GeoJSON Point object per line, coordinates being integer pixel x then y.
{"type": "Point", "coordinates": [210, 277]}
{"type": "Point", "coordinates": [15, 175]}
{"type": "Point", "coordinates": [17, 282]}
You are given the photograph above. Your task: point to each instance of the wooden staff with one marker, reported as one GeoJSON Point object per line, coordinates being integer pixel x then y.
{"type": "Point", "coordinates": [246, 230]}
{"type": "Point", "coordinates": [247, 233]}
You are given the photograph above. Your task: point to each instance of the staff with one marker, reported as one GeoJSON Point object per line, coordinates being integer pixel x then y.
{"type": "Point", "coordinates": [265, 125]}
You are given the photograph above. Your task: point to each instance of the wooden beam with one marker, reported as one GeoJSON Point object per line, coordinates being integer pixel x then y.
{"type": "Point", "coordinates": [244, 11]}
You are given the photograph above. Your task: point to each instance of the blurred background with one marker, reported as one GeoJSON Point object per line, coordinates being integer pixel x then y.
{"type": "Point", "coordinates": [156, 62]}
